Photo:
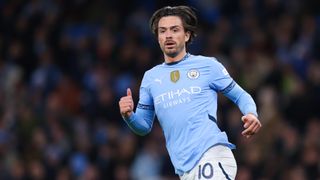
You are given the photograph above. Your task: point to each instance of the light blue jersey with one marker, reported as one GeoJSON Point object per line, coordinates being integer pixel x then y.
{"type": "Point", "coordinates": [183, 96]}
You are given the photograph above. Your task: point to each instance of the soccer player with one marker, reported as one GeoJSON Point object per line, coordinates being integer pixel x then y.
{"type": "Point", "coordinates": [182, 93]}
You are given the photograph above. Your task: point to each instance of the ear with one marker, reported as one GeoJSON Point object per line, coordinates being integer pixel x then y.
{"type": "Point", "coordinates": [187, 36]}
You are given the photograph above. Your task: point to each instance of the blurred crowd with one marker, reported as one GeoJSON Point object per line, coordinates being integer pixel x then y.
{"type": "Point", "coordinates": [65, 64]}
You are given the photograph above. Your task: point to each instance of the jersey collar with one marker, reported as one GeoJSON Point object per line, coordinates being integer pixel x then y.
{"type": "Point", "coordinates": [176, 62]}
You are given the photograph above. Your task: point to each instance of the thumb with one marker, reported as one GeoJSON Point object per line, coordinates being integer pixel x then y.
{"type": "Point", "coordinates": [244, 119]}
{"type": "Point", "coordinates": [129, 92]}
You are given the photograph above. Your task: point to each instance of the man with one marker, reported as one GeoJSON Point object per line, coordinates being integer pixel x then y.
{"type": "Point", "coordinates": [182, 92]}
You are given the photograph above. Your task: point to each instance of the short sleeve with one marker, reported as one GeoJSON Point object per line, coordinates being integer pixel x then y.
{"type": "Point", "coordinates": [220, 80]}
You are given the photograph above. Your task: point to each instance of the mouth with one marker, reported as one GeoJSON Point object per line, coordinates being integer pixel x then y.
{"type": "Point", "coordinates": [169, 44]}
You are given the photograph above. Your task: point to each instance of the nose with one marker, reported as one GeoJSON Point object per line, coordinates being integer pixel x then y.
{"type": "Point", "coordinates": [168, 35]}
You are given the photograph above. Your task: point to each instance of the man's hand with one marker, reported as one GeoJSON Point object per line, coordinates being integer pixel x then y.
{"type": "Point", "coordinates": [251, 125]}
{"type": "Point", "coordinates": [126, 104]}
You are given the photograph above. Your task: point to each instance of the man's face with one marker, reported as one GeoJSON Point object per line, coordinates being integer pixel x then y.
{"type": "Point", "coordinates": [172, 36]}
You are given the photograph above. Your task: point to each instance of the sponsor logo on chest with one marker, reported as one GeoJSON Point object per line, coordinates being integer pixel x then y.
{"type": "Point", "coordinates": [178, 96]}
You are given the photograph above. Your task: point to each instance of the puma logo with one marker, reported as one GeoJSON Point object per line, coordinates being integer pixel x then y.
{"type": "Point", "coordinates": [158, 81]}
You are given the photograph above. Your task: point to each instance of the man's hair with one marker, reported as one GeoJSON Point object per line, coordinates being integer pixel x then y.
{"type": "Point", "coordinates": [187, 15]}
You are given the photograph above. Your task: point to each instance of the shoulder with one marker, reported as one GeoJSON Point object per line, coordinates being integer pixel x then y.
{"type": "Point", "coordinates": [150, 74]}
{"type": "Point", "coordinates": [213, 64]}
{"type": "Point", "coordinates": [153, 71]}
{"type": "Point", "coordinates": [206, 60]}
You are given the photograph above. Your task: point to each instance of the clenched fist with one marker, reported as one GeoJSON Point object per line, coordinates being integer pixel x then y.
{"type": "Point", "coordinates": [126, 104]}
{"type": "Point", "coordinates": [251, 125]}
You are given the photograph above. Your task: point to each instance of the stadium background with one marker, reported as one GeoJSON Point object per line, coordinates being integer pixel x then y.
{"type": "Point", "coordinates": [65, 64]}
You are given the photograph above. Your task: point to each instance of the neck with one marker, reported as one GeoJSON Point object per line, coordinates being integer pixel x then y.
{"type": "Point", "coordinates": [178, 57]}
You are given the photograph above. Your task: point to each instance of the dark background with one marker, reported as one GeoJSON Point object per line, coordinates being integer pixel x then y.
{"type": "Point", "coordinates": [65, 64]}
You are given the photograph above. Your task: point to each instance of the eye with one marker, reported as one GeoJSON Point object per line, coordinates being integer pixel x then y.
{"type": "Point", "coordinates": [161, 31]}
{"type": "Point", "coordinates": [175, 30]}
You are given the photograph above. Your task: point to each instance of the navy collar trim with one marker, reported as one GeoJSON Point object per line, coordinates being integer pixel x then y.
{"type": "Point", "coordinates": [176, 62]}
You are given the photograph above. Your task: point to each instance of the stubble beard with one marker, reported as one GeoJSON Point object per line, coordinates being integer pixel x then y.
{"type": "Point", "coordinates": [172, 52]}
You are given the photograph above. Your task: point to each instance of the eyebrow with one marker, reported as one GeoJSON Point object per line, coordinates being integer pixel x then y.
{"type": "Point", "coordinates": [170, 27]}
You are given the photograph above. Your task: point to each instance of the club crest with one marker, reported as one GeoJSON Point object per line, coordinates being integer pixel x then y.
{"type": "Point", "coordinates": [193, 74]}
{"type": "Point", "coordinates": [175, 76]}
